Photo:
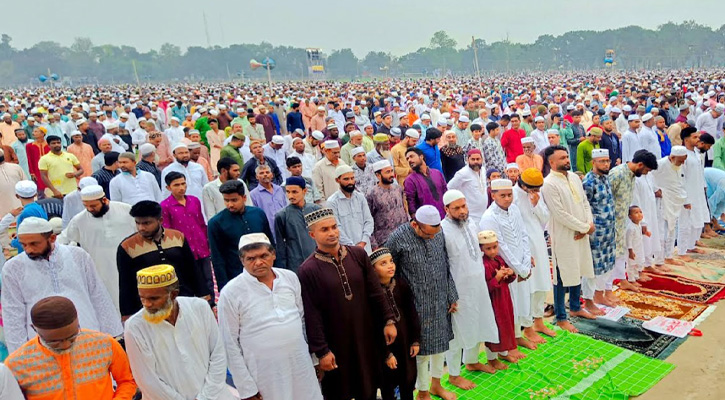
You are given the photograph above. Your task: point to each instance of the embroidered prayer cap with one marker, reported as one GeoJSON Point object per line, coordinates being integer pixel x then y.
{"type": "Point", "coordinates": [425, 117]}
{"type": "Point", "coordinates": [80, 122]}
{"type": "Point", "coordinates": [92, 192]}
{"type": "Point", "coordinates": [501, 184]}
{"type": "Point", "coordinates": [532, 177]}
{"type": "Point", "coordinates": [331, 126]}
{"type": "Point", "coordinates": [355, 133]}
{"type": "Point", "coordinates": [87, 181]}
{"type": "Point", "coordinates": [382, 164]}
{"type": "Point", "coordinates": [442, 122]}
{"type": "Point", "coordinates": [463, 118]}
{"type": "Point", "coordinates": [615, 110]}
{"type": "Point", "coordinates": [452, 195]}
{"type": "Point", "coordinates": [678, 151]}
{"type": "Point", "coordinates": [296, 181]}
{"type": "Point", "coordinates": [378, 254]}
{"type": "Point", "coordinates": [277, 139]}
{"type": "Point", "coordinates": [600, 153]}
{"type": "Point", "coordinates": [156, 276]}
{"type": "Point", "coordinates": [26, 189]}
{"type": "Point", "coordinates": [381, 138]}
{"type": "Point", "coordinates": [511, 166]}
{"type": "Point", "coordinates": [474, 151]}
{"type": "Point", "coordinates": [527, 139]}
{"type": "Point", "coordinates": [627, 108]}
{"type": "Point", "coordinates": [486, 237]}
{"type": "Point", "coordinates": [428, 215]}
{"type": "Point", "coordinates": [596, 132]}
{"type": "Point", "coordinates": [53, 312]}
{"type": "Point", "coordinates": [633, 117]}
{"type": "Point", "coordinates": [412, 133]}
{"type": "Point", "coordinates": [394, 132]}
{"type": "Point", "coordinates": [317, 135]}
{"type": "Point", "coordinates": [647, 117]}
{"type": "Point", "coordinates": [32, 225]}
{"type": "Point", "coordinates": [146, 149]}
{"type": "Point", "coordinates": [539, 119]}
{"type": "Point", "coordinates": [179, 146]}
{"type": "Point", "coordinates": [318, 215]}
{"type": "Point", "coordinates": [342, 170]}
{"type": "Point", "coordinates": [356, 151]}
{"type": "Point", "coordinates": [252, 238]}
{"type": "Point", "coordinates": [331, 144]}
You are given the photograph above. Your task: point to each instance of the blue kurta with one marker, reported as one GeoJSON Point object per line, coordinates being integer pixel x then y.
{"type": "Point", "coordinates": [602, 241]}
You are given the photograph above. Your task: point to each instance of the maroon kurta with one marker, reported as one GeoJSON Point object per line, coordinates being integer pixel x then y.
{"type": "Point", "coordinates": [268, 124]}
{"type": "Point", "coordinates": [343, 301]}
{"type": "Point", "coordinates": [503, 306]}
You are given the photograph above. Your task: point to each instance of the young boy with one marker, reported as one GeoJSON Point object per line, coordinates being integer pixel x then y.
{"type": "Point", "coordinates": [498, 277]}
{"type": "Point", "coordinates": [400, 365]}
{"type": "Point", "coordinates": [635, 246]}
{"type": "Point", "coordinates": [492, 151]}
{"type": "Point", "coordinates": [512, 172]}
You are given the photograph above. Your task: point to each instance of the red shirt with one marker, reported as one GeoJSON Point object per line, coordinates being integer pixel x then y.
{"type": "Point", "coordinates": [511, 143]}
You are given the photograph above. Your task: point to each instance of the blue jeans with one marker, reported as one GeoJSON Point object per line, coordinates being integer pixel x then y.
{"type": "Point", "coordinates": [559, 298]}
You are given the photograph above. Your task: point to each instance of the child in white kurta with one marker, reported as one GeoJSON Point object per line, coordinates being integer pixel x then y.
{"type": "Point", "coordinates": [635, 245]}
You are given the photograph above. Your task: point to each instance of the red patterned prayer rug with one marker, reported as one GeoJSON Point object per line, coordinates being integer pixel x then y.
{"type": "Point", "coordinates": [686, 289]}
{"type": "Point", "coordinates": [646, 306]}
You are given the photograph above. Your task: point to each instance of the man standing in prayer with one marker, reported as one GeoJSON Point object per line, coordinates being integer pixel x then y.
{"type": "Point", "coordinates": [133, 185]}
{"type": "Point", "coordinates": [585, 149]}
{"type": "Point", "coordinates": [99, 229]}
{"type": "Point", "coordinates": [419, 251]}
{"type": "Point", "coordinates": [46, 268]}
{"type": "Point", "coordinates": [342, 300]}
{"type": "Point", "coordinates": [268, 196]}
{"type": "Point", "coordinates": [472, 183]}
{"type": "Point", "coordinates": [695, 213]}
{"type": "Point", "coordinates": [67, 360]}
{"type": "Point", "coordinates": [249, 169]}
{"type": "Point", "coordinates": [386, 203]}
{"type": "Point", "coordinates": [324, 172]}
{"type": "Point", "coordinates": [82, 151]}
{"type": "Point", "coordinates": [230, 224]}
{"type": "Point", "coordinates": [10, 175]}
{"type": "Point", "coordinates": [59, 169]}
{"type": "Point", "coordinates": [402, 168]}
{"type": "Point", "coordinates": [195, 174]}
{"type": "Point", "coordinates": [474, 321]}
{"type": "Point", "coordinates": [425, 185]}
{"type": "Point", "coordinates": [571, 221]}
{"type": "Point", "coordinates": [351, 210]}
{"type": "Point", "coordinates": [669, 179]}
{"type": "Point", "coordinates": [429, 148]}
{"type": "Point", "coordinates": [598, 290]}
{"type": "Point", "coordinates": [364, 175]}
{"type": "Point", "coordinates": [529, 159]}
{"type": "Point", "coordinates": [294, 244]}
{"type": "Point", "coordinates": [212, 199]}
{"type": "Point", "coordinates": [260, 319]}
{"type": "Point", "coordinates": [173, 343]}
{"type": "Point", "coordinates": [630, 139]}
{"type": "Point", "coordinates": [18, 147]}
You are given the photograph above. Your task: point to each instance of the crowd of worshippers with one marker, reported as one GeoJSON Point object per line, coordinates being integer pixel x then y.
{"type": "Point", "coordinates": [353, 252]}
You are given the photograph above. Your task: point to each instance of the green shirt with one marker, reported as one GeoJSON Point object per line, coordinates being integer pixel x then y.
{"type": "Point", "coordinates": [233, 153]}
{"type": "Point", "coordinates": [718, 149]}
{"type": "Point", "coordinates": [584, 155]}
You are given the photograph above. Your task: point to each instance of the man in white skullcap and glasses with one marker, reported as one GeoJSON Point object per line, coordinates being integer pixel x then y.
{"type": "Point", "coordinates": [195, 174]}
{"type": "Point", "coordinates": [323, 174]}
{"type": "Point", "coordinates": [351, 210]}
{"type": "Point", "coordinates": [50, 269]}
{"type": "Point", "coordinates": [260, 318]}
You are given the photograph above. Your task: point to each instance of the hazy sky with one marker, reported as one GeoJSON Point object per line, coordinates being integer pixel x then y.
{"type": "Point", "coordinates": [380, 25]}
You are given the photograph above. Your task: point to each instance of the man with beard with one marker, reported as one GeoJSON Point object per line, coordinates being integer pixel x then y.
{"type": "Point", "coordinates": [695, 215]}
{"type": "Point", "coordinates": [452, 156]}
{"type": "Point", "coordinates": [48, 367]}
{"type": "Point", "coordinates": [402, 168]}
{"type": "Point", "coordinates": [249, 169]}
{"type": "Point", "coordinates": [381, 150]}
{"type": "Point", "coordinates": [153, 245]}
{"type": "Point", "coordinates": [19, 147]}
{"type": "Point", "coordinates": [474, 321]}
{"type": "Point", "coordinates": [351, 210]}
{"type": "Point", "coordinates": [59, 169]}
{"type": "Point", "coordinates": [99, 230]}
{"type": "Point", "coordinates": [195, 174]}
{"type": "Point", "coordinates": [424, 185]}
{"type": "Point", "coordinates": [598, 290]}
{"type": "Point", "coordinates": [472, 183]}
{"type": "Point", "coordinates": [386, 203]}
{"type": "Point", "coordinates": [364, 174]}
{"type": "Point", "coordinates": [133, 185]}
{"type": "Point", "coordinates": [47, 268]}
{"type": "Point", "coordinates": [669, 181]}
{"type": "Point", "coordinates": [160, 342]}
{"type": "Point", "coordinates": [343, 302]}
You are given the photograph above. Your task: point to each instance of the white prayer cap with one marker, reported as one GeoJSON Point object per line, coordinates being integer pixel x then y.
{"type": "Point", "coordinates": [222, 107]}
{"type": "Point", "coordinates": [600, 153]}
{"type": "Point", "coordinates": [80, 122]}
{"type": "Point", "coordinates": [395, 132]}
{"type": "Point", "coordinates": [627, 108]}
{"type": "Point", "coordinates": [452, 195]}
{"type": "Point", "coordinates": [527, 139]}
{"type": "Point", "coordinates": [318, 135]}
{"type": "Point", "coordinates": [194, 145]}
{"type": "Point", "coordinates": [501, 184]}
{"type": "Point", "coordinates": [550, 131]}
{"type": "Point", "coordinates": [175, 119]}
{"type": "Point", "coordinates": [296, 139]}
{"type": "Point", "coordinates": [32, 225]}
{"type": "Point", "coordinates": [719, 108]}
{"type": "Point", "coordinates": [446, 115]}
{"type": "Point", "coordinates": [512, 103]}
{"type": "Point", "coordinates": [647, 117]}
{"type": "Point", "coordinates": [512, 165]}
{"type": "Point", "coordinates": [179, 146]}
{"type": "Point", "coordinates": [526, 113]}
{"type": "Point", "coordinates": [87, 181]}
{"type": "Point", "coordinates": [570, 107]}
{"type": "Point", "coordinates": [615, 110]}
{"type": "Point", "coordinates": [442, 122]}
{"type": "Point", "coordinates": [463, 118]}
{"type": "Point", "coordinates": [539, 118]}
{"type": "Point", "coordinates": [213, 113]}
{"type": "Point", "coordinates": [26, 189]}
{"type": "Point", "coordinates": [342, 170]}
{"type": "Point", "coordinates": [202, 110]}
{"type": "Point", "coordinates": [76, 133]}
{"type": "Point", "coordinates": [381, 165]}
{"type": "Point", "coordinates": [412, 133]}
{"type": "Point", "coordinates": [655, 109]}
{"type": "Point", "coordinates": [425, 117]}
{"type": "Point", "coordinates": [331, 144]}
{"type": "Point", "coordinates": [486, 237]}
{"type": "Point", "coordinates": [428, 215]}
{"type": "Point", "coordinates": [277, 139]}
{"type": "Point", "coordinates": [146, 149]}
{"type": "Point", "coordinates": [633, 117]}
{"type": "Point", "coordinates": [252, 238]}
{"type": "Point", "coordinates": [355, 133]}
{"type": "Point", "coordinates": [356, 151]}
{"type": "Point", "coordinates": [241, 110]}
{"type": "Point", "coordinates": [31, 119]}
{"type": "Point", "coordinates": [57, 224]}
{"type": "Point", "coordinates": [678, 151]}
{"type": "Point", "coordinates": [92, 192]}
{"type": "Point", "coordinates": [320, 108]}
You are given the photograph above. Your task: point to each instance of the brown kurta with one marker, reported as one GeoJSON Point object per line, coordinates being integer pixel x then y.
{"type": "Point", "coordinates": [342, 303]}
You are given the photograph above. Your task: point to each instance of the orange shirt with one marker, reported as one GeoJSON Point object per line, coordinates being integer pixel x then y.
{"type": "Point", "coordinates": [84, 154]}
{"type": "Point", "coordinates": [525, 162]}
{"type": "Point", "coordinates": [82, 373]}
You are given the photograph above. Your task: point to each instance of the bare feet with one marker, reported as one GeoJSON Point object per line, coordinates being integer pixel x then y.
{"type": "Point", "coordinates": [661, 269]}
{"type": "Point", "coordinates": [644, 278]}
{"type": "Point", "coordinates": [524, 342]}
{"type": "Point", "coordinates": [612, 298]}
{"type": "Point", "coordinates": [510, 358]}
{"type": "Point", "coordinates": [672, 261]}
{"type": "Point", "coordinates": [499, 365]}
{"type": "Point", "coordinates": [437, 390]}
{"type": "Point", "coordinates": [626, 285]}
{"type": "Point", "coordinates": [592, 308]}
{"type": "Point", "coordinates": [684, 259]}
{"type": "Point", "coordinates": [582, 314]}
{"type": "Point", "coordinates": [601, 298]}
{"type": "Point", "coordinates": [567, 326]}
{"type": "Point", "coordinates": [540, 326]}
{"type": "Point", "coordinates": [487, 368]}
{"type": "Point", "coordinates": [461, 382]}
{"type": "Point", "coordinates": [423, 396]}
{"type": "Point", "coordinates": [696, 251]}
{"type": "Point", "coordinates": [517, 354]}
{"type": "Point", "coordinates": [530, 333]}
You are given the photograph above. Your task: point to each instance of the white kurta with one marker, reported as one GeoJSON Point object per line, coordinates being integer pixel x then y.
{"type": "Point", "coordinates": [9, 388]}
{"type": "Point", "coordinates": [474, 322]}
{"type": "Point", "coordinates": [263, 335]}
{"type": "Point", "coordinates": [643, 196]}
{"type": "Point", "coordinates": [570, 214]}
{"type": "Point", "coordinates": [195, 178]}
{"type": "Point", "coordinates": [513, 247]}
{"type": "Point", "coordinates": [72, 206]}
{"type": "Point", "coordinates": [185, 361]}
{"type": "Point", "coordinates": [473, 185]}
{"type": "Point", "coordinates": [695, 186]}
{"type": "Point", "coordinates": [535, 219]}
{"type": "Point", "coordinates": [100, 237]}
{"type": "Point", "coordinates": [649, 141]}
{"type": "Point", "coordinates": [69, 272]}
{"type": "Point", "coordinates": [10, 174]}
{"type": "Point", "coordinates": [670, 180]}
{"type": "Point", "coordinates": [630, 144]}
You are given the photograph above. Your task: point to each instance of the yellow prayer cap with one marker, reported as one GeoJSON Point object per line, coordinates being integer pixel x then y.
{"type": "Point", "coordinates": [43, 129]}
{"type": "Point", "coordinates": [485, 237]}
{"type": "Point", "coordinates": [532, 177]}
{"type": "Point", "coordinates": [381, 138]}
{"type": "Point", "coordinates": [157, 276]}
{"type": "Point", "coordinates": [596, 132]}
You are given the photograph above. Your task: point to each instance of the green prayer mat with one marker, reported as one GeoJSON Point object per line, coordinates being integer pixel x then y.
{"type": "Point", "coordinates": [715, 243]}
{"type": "Point", "coordinates": [569, 366]}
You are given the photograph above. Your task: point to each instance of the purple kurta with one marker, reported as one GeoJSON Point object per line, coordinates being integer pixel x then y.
{"type": "Point", "coordinates": [423, 190]}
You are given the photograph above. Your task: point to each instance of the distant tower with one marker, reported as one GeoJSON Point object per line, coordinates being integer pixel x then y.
{"type": "Point", "coordinates": [315, 65]}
